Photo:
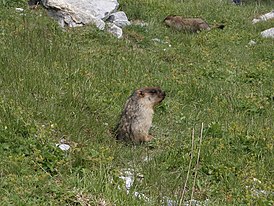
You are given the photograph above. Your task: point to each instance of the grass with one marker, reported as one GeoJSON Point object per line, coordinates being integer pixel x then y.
{"type": "Point", "coordinates": [71, 84]}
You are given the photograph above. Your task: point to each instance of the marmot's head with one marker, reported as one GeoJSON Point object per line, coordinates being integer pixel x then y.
{"type": "Point", "coordinates": [169, 20]}
{"type": "Point", "coordinates": [150, 96]}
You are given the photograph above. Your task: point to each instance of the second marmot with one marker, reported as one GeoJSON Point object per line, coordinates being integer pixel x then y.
{"type": "Point", "coordinates": [192, 25]}
{"type": "Point", "coordinates": [136, 118]}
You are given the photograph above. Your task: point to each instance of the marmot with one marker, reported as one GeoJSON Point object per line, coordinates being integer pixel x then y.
{"type": "Point", "coordinates": [136, 118]}
{"type": "Point", "coordinates": [192, 25]}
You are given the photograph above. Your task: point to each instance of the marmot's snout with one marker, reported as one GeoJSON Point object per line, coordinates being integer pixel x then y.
{"type": "Point", "coordinates": [162, 95]}
{"type": "Point", "coordinates": [154, 94]}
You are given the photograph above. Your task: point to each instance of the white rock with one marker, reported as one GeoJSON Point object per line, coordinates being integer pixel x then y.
{"type": "Point", "coordinates": [19, 9]}
{"type": "Point", "coordinates": [73, 13]}
{"type": "Point", "coordinates": [264, 17]}
{"type": "Point", "coordinates": [115, 30]}
{"type": "Point", "coordinates": [128, 177]}
{"type": "Point", "coordinates": [98, 8]}
{"type": "Point", "coordinates": [251, 42]}
{"type": "Point", "coordinates": [80, 12]}
{"type": "Point", "coordinates": [269, 33]}
{"type": "Point", "coordinates": [119, 19]}
{"type": "Point", "coordinates": [63, 147]}
{"type": "Point", "coordinates": [255, 180]}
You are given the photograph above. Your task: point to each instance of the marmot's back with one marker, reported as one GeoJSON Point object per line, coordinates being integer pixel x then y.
{"type": "Point", "coordinates": [188, 24]}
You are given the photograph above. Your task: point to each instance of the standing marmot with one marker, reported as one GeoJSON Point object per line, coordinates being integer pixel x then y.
{"type": "Point", "coordinates": [136, 118]}
{"type": "Point", "coordinates": [188, 24]}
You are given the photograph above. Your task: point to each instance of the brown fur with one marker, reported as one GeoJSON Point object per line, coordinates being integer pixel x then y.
{"type": "Point", "coordinates": [136, 118]}
{"type": "Point", "coordinates": [192, 25]}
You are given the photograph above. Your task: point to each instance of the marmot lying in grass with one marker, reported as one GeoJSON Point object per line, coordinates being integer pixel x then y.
{"type": "Point", "coordinates": [136, 118]}
{"type": "Point", "coordinates": [188, 24]}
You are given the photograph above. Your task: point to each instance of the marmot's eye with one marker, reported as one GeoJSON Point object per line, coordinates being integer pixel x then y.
{"type": "Point", "coordinates": [153, 91]}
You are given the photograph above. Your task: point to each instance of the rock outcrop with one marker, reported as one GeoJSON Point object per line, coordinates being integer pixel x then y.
{"type": "Point", "coordinates": [73, 13]}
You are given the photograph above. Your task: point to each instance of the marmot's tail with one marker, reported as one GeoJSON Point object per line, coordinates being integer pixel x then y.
{"type": "Point", "coordinates": [219, 26]}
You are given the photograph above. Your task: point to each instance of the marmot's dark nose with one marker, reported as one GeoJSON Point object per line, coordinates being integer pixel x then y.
{"type": "Point", "coordinates": [163, 94]}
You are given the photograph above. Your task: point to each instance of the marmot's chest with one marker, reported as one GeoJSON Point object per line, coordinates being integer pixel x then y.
{"type": "Point", "coordinates": [145, 117]}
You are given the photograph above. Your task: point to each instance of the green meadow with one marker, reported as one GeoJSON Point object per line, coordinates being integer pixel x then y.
{"type": "Point", "coordinates": [213, 133]}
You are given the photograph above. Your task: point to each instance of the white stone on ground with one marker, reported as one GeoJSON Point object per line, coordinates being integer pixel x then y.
{"type": "Point", "coordinates": [269, 33]}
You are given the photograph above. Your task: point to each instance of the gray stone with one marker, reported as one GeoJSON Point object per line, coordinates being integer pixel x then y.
{"type": "Point", "coordinates": [269, 33]}
{"type": "Point", "coordinates": [264, 17]}
{"type": "Point", "coordinates": [119, 19]}
{"type": "Point", "coordinates": [115, 30]}
{"type": "Point", "coordinates": [19, 9]}
{"type": "Point", "coordinates": [73, 13]}
{"type": "Point", "coordinates": [251, 43]}
{"type": "Point", "coordinates": [64, 147]}
{"type": "Point", "coordinates": [80, 12]}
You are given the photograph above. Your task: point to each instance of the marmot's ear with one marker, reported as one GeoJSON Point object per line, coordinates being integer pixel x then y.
{"type": "Point", "coordinates": [140, 93]}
